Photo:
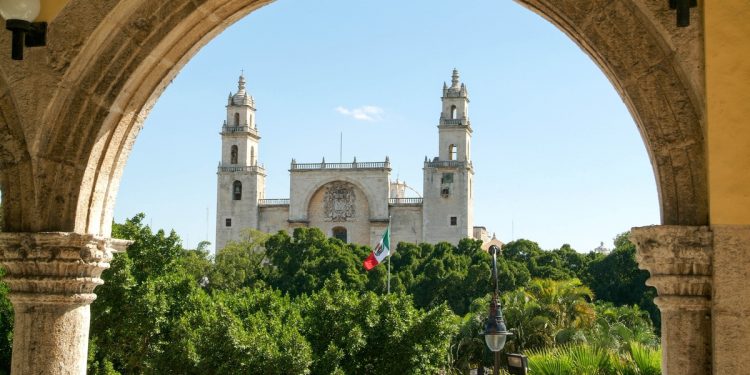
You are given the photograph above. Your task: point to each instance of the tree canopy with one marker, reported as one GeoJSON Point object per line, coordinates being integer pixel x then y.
{"type": "Point", "coordinates": [302, 303]}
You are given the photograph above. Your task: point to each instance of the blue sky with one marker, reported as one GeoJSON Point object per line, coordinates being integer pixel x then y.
{"type": "Point", "coordinates": [558, 158]}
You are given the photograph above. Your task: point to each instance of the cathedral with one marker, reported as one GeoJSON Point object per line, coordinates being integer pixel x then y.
{"type": "Point", "coordinates": [355, 201]}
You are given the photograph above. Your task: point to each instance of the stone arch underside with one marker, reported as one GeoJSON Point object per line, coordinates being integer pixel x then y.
{"type": "Point", "coordinates": [108, 61]}
{"type": "Point", "coordinates": [16, 183]}
{"type": "Point", "coordinates": [658, 70]}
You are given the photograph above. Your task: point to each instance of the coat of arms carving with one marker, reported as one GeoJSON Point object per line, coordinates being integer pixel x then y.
{"type": "Point", "coordinates": [338, 202]}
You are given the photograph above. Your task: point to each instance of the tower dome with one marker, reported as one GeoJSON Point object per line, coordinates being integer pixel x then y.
{"type": "Point", "coordinates": [241, 97]}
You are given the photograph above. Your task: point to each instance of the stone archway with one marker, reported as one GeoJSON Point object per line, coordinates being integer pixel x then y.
{"type": "Point", "coordinates": [103, 70]}
{"type": "Point", "coordinates": [71, 111]}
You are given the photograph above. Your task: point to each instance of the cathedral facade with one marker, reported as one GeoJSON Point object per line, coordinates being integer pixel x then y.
{"type": "Point", "coordinates": [354, 201]}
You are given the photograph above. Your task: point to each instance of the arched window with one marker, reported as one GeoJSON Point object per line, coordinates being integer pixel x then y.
{"type": "Point", "coordinates": [339, 232]}
{"type": "Point", "coordinates": [452, 152]}
{"type": "Point", "coordinates": [252, 155]}
{"type": "Point", "coordinates": [233, 154]}
{"type": "Point", "coordinates": [236, 119]}
{"type": "Point", "coordinates": [454, 112]}
{"type": "Point", "coordinates": [237, 190]}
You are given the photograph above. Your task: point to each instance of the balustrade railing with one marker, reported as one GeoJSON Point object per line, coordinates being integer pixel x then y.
{"type": "Point", "coordinates": [273, 202]}
{"type": "Point", "coordinates": [446, 163]}
{"type": "Point", "coordinates": [239, 129]}
{"type": "Point", "coordinates": [453, 121]}
{"type": "Point", "coordinates": [354, 165]}
{"type": "Point", "coordinates": [397, 201]}
{"type": "Point", "coordinates": [241, 168]}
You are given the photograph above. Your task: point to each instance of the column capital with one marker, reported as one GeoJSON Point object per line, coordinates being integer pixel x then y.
{"type": "Point", "coordinates": [679, 259]}
{"type": "Point", "coordinates": [55, 267]}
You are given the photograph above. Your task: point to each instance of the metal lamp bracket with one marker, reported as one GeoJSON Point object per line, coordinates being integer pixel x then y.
{"type": "Point", "coordinates": [683, 10]}
{"type": "Point", "coordinates": [37, 36]}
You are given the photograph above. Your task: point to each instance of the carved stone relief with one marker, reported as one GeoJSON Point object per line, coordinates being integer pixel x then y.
{"type": "Point", "coordinates": [338, 202]}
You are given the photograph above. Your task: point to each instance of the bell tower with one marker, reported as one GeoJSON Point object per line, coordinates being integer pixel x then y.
{"type": "Point", "coordinates": [448, 196]}
{"type": "Point", "coordinates": [241, 178]}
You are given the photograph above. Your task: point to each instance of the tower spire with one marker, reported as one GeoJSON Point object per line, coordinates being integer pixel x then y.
{"type": "Point", "coordinates": [241, 83]}
{"type": "Point", "coordinates": [454, 79]}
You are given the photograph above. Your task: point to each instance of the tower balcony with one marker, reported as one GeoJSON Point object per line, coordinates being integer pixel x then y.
{"type": "Point", "coordinates": [455, 122]}
{"type": "Point", "coordinates": [239, 129]}
{"type": "Point", "coordinates": [448, 164]}
{"type": "Point", "coordinates": [242, 168]}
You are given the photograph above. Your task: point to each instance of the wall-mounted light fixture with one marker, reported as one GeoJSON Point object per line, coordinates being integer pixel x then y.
{"type": "Point", "coordinates": [19, 16]}
{"type": "Point", "coordinates": [683, 10]}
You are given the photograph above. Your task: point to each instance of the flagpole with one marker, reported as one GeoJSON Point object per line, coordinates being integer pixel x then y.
{"type": "Point", "coordinates": [389, 274]}
{"type": "Point", "coordinates": [390, 252]}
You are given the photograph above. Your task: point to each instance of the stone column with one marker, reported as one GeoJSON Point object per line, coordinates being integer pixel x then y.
{"type": "Point", "coordinates": [679, 259]}
{"type": "Point", "coordinates": [52, 277]}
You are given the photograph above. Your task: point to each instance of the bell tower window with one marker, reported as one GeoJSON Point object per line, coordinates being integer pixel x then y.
{"type": "Point", "coordinates": [236, 119]}
{"type": "Point", "coordinates": [339, 232]}
{"type": "Point", "coordinates": [452, 152]}
{"type": "Point", "coordinates": [454, 112]}
{"type": "Point", "coordinates": [237, 190]}
{"type": "Point", "coordinates": [233, 154]}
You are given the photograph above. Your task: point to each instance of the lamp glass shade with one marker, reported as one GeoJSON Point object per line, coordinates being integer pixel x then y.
{"type": "Point", "coordinates": [26, 10]}
{"type": "Point", "coordinates": [495, 341]}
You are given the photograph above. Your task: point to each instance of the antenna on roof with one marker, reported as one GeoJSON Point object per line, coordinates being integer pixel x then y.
{"type": "Point", "coordinates": [341, 147]}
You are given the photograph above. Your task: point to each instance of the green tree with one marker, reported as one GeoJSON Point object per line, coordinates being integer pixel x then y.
{"type": "Point", "coordinates": [251, 331]}
{"type": "Point", "coordinates": [617, 279]}
{"type": "Point", "coordinates": [6, 327]}
{"type": "Point", "coordinates": [618, 326]}
{"type": "Point", "coordinates": [549, 312]}
{"type": "Point", "coordinates": [303, 262]}
{"type": "Point", "coordinates": [241, 263]}
{"type": "Point", "coordinates": [353, 333]}
{"type": "Point", "coordinates": [144, 290]}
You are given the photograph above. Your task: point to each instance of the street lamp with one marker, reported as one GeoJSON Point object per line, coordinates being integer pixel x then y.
{"type": "Point", "coordinates": [19, 16]}
{"type": "Point", "coordinates": [495, 332]}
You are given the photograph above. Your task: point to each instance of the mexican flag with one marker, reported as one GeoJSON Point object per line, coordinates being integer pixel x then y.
{"type": "Point", "coordinates": [381, 251]}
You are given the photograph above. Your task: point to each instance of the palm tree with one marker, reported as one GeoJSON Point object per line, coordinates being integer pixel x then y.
{"type": "Point", "coordinates": [549, 312]}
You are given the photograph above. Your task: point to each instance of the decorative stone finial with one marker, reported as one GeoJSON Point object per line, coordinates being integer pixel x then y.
{"type": "Point", "coordinates": [454, 79]}
{"type": "Point", "coordinates": [241, 85]}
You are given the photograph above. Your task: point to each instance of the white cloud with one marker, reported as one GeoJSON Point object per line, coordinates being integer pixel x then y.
{"type": "Point", "coordinates": [364, 113]}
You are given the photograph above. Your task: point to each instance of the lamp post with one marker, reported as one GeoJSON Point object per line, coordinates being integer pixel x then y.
{"type": "Point", "coordinates": [495, 332]}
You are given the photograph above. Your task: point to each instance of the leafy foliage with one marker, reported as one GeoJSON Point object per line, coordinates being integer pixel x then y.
{"type": "Point", "coordinates": [6, 328]}
{"type": "Point", "coordinates": [303, 304]}
{"type": "Point", "coordinates": [617, 279]}
{"type": "Point", "coordinates": [583, 359]}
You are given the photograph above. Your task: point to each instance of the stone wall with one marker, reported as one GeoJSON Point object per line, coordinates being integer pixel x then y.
{"type": "Point", "coordinates": [406, 224]}
{"type": "Point", "coordinates": [273, 219]}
